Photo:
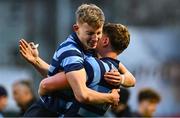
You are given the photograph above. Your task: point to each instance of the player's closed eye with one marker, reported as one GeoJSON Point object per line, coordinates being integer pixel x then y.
{"type": "Point", "coordinates": [90, 33]}
{"type": "Point", "coordinates": [98, 33]}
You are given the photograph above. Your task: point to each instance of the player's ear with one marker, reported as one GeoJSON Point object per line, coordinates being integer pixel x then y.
{"type": "Point", "coordinates": [105, 41]}
{"type": "Point", "coordinates": [75, 27]}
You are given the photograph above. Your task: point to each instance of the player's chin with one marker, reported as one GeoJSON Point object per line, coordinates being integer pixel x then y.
{"type": "Point", "coordinates": [92, 46]}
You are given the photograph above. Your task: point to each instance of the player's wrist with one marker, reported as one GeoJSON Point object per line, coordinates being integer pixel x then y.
{"type": "Point", "coordinates": [122, 79]}
{"type": "Point", "coordinates": [35, 61]}
{"type": "Point", "coordinates": [112, 96]}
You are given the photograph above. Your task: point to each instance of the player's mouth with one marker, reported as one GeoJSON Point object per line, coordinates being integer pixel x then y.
{"type": "Point", "coordinates": [93, 44]}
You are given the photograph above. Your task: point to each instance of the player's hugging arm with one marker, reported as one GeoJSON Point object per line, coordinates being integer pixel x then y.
{"type": "Point", "coordinates": [53, 83]}
{"type": "Point", "coordinates": [125, 79]}
{"type": "Point", "coordinates": [83, 94]}
{"type": "Point", "coordinates": [128, 80]}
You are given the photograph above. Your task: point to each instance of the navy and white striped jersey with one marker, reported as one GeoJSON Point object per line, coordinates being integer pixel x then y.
{"type": "Point", "coordinates": [69, 56]}
{"type": "Point", "coordinates": [95, 69]}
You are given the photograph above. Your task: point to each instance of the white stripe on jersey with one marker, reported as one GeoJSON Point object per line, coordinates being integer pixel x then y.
{"type": "Point", "coordinates": [70, 60]}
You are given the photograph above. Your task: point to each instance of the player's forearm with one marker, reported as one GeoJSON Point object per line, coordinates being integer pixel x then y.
{"type": "Point", "coordinates": [77, 81]}
{"type": "Point", "coordinates": [41, 66]}
{"type": "Point", "coordinates": [89, 96]}
{"type": "Point", "coordinates": [53, 83]}
{"type": "Point", "coordinates": [129, 80]}
{"type": "Point", "coordinates": [94, 97]}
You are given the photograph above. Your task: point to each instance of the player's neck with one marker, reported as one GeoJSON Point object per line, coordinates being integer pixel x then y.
{"type": "Point", "coordinates": [108, 54]}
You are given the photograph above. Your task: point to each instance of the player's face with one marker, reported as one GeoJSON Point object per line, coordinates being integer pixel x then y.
{"type": "Point", "coordinates": [18, 93]}
{"type": "Point", "coordinates": [88, 35]}
{"type": "Point", "coordinates": [3, 102]}
{"type": "Point", "coordinates": [99, 47]}
{"type": "Point", "coordinates": [21, 94]}
{"type": "Point", "coordinates": [149, 107]}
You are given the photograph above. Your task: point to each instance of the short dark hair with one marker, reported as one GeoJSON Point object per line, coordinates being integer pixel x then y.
{"type": "Point", "coordinates": [119, 36]}
{"type": "Point", "coordinates": [3, 91]}
{"type": "Point", "coordinates": [148, 94]}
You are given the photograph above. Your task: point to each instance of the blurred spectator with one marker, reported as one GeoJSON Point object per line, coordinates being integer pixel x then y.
{"type": "Point", "coordinates": [23, 95]}
{"type": "Point", "coordinates": [3, 99]}
{"type": "Point", "coordinates": [148, 100]}
{"type": "Point", "coordinates": [123, 109]}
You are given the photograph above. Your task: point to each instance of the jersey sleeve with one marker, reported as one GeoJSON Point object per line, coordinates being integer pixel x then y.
{"type": "Point", "coordinates": [69, 58]}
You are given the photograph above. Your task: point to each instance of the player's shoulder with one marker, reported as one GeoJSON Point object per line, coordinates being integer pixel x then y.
{"type": "Point", "coordinates": [68, 51]}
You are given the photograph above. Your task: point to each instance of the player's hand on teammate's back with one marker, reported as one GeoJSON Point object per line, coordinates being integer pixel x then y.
{"type": "Point", "coordinates": [113, 77]}
{"type": "Point", "coordinates": [28, 50]}
{"type": "Point", "coordinates": [116, 96]}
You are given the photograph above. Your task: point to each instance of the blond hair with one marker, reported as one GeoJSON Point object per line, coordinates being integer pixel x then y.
{"type": "Point", "coordinates": [90, 14]}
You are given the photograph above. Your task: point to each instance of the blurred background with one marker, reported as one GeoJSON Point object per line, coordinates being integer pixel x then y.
{"type": "Point", "coordinates": [153, 55]}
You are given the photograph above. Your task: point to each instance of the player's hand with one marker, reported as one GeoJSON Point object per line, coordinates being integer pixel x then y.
{"type": "Point", "coordinates": [113, 77]}
{"type": "Point", "coordinates": [28, 50]}
{"type": "Point", "coordinates": [116, 96]}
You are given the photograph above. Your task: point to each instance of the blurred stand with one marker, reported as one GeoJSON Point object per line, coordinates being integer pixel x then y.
{"type": "Point", "coordinates": [153, 58]}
